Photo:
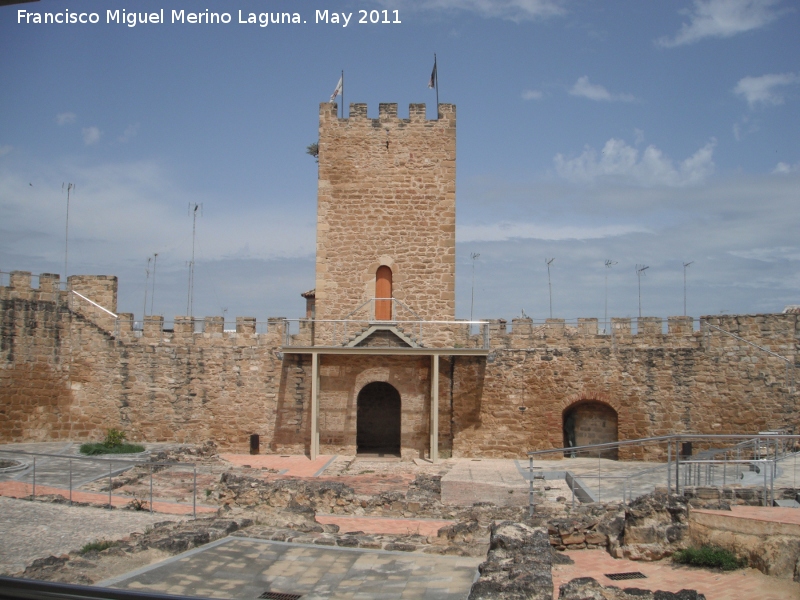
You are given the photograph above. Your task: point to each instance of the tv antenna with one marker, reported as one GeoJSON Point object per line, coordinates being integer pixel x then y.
{"type": "Point", "coordinates": [474, 256]}
{"type": "Point", "coordinates": [193, 209]}
{"type": "Point", "coordinates": [549, 261]}
{"type": "Point", "coordinates": [609, 263]}
{"type": "Point", "coordinates": [686, 264]}
{"type": "Point", "coordinates": [640, 269]}
{"type": "Point", "coordinates": [69, 187]}
{"type": "Point", "coordinates": [153, 294]}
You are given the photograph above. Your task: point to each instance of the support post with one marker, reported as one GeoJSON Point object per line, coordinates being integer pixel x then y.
{"type": "Point", "coordinates": [530, 486]}
{"type": "Point", "coordinates": [151, 489]}
{"type": "Point", "coordinates": [669, 467]}
{"type": "Point", "coordinates": [434, 408]}
{"type": "Point", "coordinates": [314, 442]}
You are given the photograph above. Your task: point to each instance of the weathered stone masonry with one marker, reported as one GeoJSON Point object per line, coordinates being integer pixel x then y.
{"type": "Point", "coordinates": [64, 376]}
{"type": "Point", "coordinates": [386, 229]}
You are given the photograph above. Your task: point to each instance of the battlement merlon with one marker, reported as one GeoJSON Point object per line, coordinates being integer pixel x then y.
{"type": "Point", "coordinates": [387, 114]}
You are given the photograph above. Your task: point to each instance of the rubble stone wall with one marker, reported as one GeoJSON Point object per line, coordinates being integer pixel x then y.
{"type": "Point", "coordinates": [65, 375]}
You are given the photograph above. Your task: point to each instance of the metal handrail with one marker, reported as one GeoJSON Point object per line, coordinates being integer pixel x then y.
{"type": "Point", "coordinates": [688, 468]}
{"type": "Point", "coordinates": [110, 458]}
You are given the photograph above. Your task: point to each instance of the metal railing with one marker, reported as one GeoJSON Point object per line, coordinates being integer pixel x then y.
{"type": "Point", "coordinates": [753, 461]}
{"type": "Point", "coordinates": [116, 466]}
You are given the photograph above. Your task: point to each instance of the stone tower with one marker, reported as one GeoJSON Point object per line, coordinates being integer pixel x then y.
{"type": "Point", "coordinates": [386, 213]}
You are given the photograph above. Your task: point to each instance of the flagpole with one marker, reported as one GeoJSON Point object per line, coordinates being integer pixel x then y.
{"type": "Point", "coordinates": [436, 69]}
{"type": "Point", "coordinates": [343, 93]}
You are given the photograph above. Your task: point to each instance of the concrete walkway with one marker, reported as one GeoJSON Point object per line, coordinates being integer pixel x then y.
{"type": "Point", "coordinates": [31, 530]}
{"type": "Point", "coordinates": [63, 458]}
{"type": "Point", "coordinates": [237, 567]}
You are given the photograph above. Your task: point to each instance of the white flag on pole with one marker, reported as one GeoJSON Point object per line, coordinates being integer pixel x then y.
{"type": "Point", "coordinates": [338, 89]}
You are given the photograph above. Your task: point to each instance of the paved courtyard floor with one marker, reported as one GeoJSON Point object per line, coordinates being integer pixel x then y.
{"type": "Point", "coordinates": [246, 568]}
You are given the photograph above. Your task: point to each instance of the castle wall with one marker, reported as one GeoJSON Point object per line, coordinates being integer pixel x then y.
{"type": "Point", "coordinates": [386, 197]}
{"type": "Point", "coordinates": [65, 376]}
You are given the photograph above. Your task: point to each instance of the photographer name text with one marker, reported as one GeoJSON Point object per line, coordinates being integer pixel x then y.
{"type": "Point", "coordinates": [183, 17]}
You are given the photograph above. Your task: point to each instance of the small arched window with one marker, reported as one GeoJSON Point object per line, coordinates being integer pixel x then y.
{"type": "Point", "coordinates": [383, 289]}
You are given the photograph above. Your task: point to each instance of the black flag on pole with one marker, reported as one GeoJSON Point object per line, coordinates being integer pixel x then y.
{"type": "Point", "coordinates": [433, 81]}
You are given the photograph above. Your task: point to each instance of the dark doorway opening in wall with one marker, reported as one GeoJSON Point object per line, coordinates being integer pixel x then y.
{"type": "Point", "coordinates": [378, 420]}
{"type": "Point", "coordinates": [588, 423]}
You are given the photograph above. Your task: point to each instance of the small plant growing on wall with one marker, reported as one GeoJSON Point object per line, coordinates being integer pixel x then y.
{"type": "Point", "coordinates": [113, 444]}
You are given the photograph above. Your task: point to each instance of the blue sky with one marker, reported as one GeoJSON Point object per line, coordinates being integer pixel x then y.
{"type": "Point", "coordinates": [651, 133]}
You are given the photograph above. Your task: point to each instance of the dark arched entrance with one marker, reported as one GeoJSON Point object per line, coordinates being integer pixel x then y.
{"type": "Point", "coordinates": [378, 420]}
{"type": "Point", "coordinates": [588, 423]}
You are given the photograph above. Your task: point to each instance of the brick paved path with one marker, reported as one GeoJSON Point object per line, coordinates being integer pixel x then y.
{"type": "Point", "coordinates": [17, 489]}
{"type": "Point", "coordinates": [743, 584]}
{"type": "Point", "coordinates": [31, 530]}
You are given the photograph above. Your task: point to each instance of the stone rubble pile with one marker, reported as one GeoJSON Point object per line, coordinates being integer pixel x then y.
{"type": "Point", "coordinates": [587, 588]}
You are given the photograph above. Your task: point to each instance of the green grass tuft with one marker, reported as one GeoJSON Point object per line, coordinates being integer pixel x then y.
{"type": "Point", "coordinates": [98, 546]}
{"type": "Point", "coordinates": [709, 556]}
{"type": "Point", "coordinates": [95, 448]}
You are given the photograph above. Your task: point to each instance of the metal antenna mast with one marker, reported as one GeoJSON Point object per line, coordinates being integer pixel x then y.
{"type": "Point", "coordinates": [609, 263]}
{"type": "Point", "coordinates": [153, 295]}
{"type": "Point", "coordinates": [146, 283]}
{"type": "Point", "coordinates": [70, 187]}
{"type": "Point", "coordinates": [190, 300]}
{"type": "Point", "coordinates": [640, 269]}
{"type": "Point", "coordinates": [549, 285]}
{"type": "Point", "coordinates": [686, 264]}
{"type": "Point", "coordinates": [473, 256]}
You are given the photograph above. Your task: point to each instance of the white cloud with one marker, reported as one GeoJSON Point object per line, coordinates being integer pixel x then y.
{"type": "Point", "coordinates": [779, 253]}
{"type": "Point", "coordinates": [506, 230]}
{"type": "Point", "coordinates": [5, 149]}
{"type": "Point", "coordinates": [91, 135]}
{"type": "Point", "coordinates": [762, 90]}
{"type": "Point", "coordinates": [532, 95]}
{"type": "Point", "coordinates": [620, 161]}
{"type": "Point", "coordinates": [512, 10]}
{"type": "Point", "coordinates": [593, 91]}
{"type": "Point", "coordinates": [785, 168]}
{"type": "Point", "coordinates": [130, 132]}
{"type": "Point", "coordinates": [65, 118]}
{"type": "Point", "coordinates": [721, 19]}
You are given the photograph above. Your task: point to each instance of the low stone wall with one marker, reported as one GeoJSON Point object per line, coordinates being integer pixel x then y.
{"type": "Point", "coordinates": [650, 528]}
{"type": "Point", "coordinates": [518, 566]}
{"type": "Point", "coordinates": [772, 547]}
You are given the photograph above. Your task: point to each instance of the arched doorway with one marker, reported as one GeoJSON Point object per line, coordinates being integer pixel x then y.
{"type": "Point", "coordinates": [383, 289]}
{"type": "Point", "coordinates": [378, 420]}
{"type": "Point", "coordinates": [587, 423]}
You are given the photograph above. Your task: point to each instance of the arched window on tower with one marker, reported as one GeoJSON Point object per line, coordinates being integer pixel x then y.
{"type": "Point", "coordinates": [383, 289]}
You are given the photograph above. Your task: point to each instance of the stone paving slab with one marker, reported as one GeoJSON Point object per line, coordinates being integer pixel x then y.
{"type": "Point", "coordinates": [385, 525]}
{"type": "Point", "coordinates": [31, 530]}
{"type": "Point", "coordinates": [742, 584]}
{"type": "Point", "coordinates": [237, 567]}
{"type": "Point", "coordinates": [484, 480]}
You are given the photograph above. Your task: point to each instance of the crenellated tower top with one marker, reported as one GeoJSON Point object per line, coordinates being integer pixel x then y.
{"type": "Point", "coordinates": [386, 203]}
